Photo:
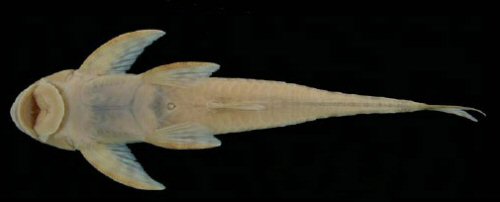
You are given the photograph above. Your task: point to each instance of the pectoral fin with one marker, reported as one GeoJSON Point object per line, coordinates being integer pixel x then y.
{"type": "Point", "coordinates": [118, 163]}
{"type": "Point", "coordinates": [118, 54]}
{"type": "Point", "coordinates": [184, 136]}
{"type": "Point", "coordinates": [180, 74]}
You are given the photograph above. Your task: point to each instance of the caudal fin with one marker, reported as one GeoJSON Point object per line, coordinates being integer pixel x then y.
{"type": "Point", "coordinates": [456, 110]}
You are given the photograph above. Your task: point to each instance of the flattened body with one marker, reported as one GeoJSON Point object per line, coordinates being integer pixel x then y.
{"type": "Point", "coordinates": [126, 108]}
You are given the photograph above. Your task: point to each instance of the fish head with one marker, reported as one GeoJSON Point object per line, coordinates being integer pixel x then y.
{"type": "Point", "coordinates": [39, 110]}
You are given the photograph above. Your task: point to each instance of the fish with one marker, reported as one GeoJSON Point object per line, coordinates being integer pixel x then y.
{"type": "Point", "coordinates": [99, 108]}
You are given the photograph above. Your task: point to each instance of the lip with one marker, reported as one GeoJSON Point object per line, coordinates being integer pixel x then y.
{"type": "Point", "coordinates": [22, 111]}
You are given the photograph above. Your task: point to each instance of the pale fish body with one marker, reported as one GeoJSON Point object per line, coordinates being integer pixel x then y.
{"type": "Point", "coordinates": [98, 108]}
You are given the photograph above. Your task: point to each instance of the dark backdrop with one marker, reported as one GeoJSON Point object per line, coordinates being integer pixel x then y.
{"type": "Point", "coordinates": [418, 155]}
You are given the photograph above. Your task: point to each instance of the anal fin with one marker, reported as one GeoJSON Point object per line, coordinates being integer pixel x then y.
{"type": "Point", "coordinates": [237, 106]}
{"type": "Point", "coordinates": [184, 136]}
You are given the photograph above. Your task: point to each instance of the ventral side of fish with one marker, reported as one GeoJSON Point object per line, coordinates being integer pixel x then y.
{"type": "Point", "coordinates": [99, 108]}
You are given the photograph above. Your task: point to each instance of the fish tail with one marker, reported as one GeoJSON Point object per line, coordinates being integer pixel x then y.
{"type": "Point", "coordinates": [456, 110]}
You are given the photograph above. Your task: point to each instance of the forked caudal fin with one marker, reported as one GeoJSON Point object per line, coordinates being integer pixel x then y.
{"type": "Point", "coordinates": [456, 110]}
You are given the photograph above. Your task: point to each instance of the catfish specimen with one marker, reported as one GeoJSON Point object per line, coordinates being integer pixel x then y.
{"type": "Point", "coordinates": [98, 108]}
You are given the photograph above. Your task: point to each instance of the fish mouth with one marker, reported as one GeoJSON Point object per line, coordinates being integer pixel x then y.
{"type": "Point", "coordinates": [39, 110]}
{"type": "Point", "coordinates": [25, 110]}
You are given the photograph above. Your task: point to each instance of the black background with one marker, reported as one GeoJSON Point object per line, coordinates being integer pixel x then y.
{"type": "Point", "coordinates": [421, 155]}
